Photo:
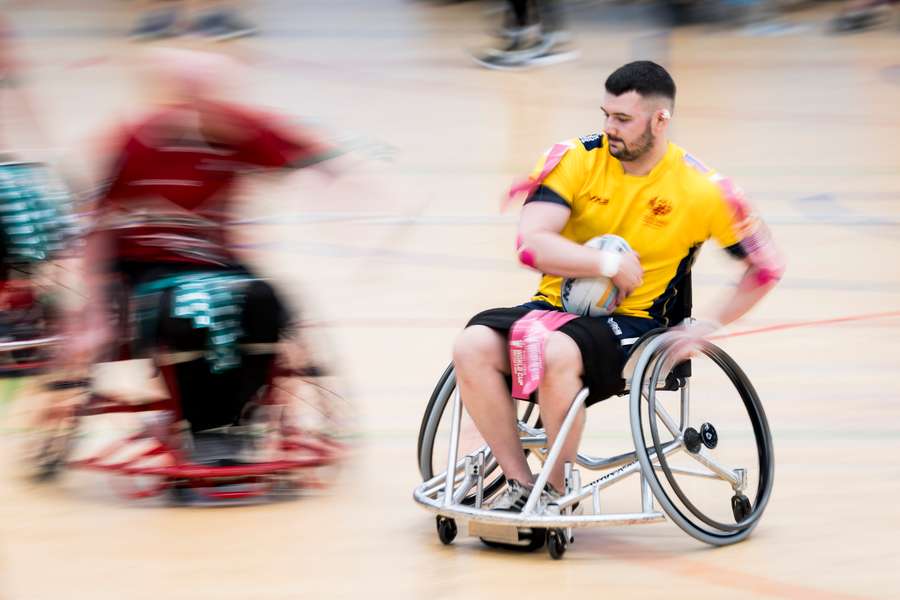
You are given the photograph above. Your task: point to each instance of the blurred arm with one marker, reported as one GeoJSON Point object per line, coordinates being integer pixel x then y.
{"type": "Point", "coordinates": [764, 265]}
{"type": "Point", "coordinates": [748, 292]}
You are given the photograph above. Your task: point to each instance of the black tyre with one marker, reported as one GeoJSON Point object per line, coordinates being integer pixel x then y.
{"type": "Point", "coordinates": [703, 523]}
{"type": "Point", "coordinates": [447, 530]}
{"type": "Point", "coordinates": [556, 543]}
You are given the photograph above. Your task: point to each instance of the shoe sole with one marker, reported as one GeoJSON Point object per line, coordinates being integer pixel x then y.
{"type": "Point", "coordinates": [224, 37]}
{"type": "Point", "coordinates": [537, 61]}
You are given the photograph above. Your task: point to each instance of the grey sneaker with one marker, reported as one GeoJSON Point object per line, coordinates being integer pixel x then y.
{"type": "Point", "coordinates": [513, 497]}
{"type": "Point", "coordinates": [549, 499]}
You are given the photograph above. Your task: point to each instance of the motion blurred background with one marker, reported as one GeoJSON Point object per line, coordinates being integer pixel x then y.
{"type": "Point", "coordinates": [795, 100]}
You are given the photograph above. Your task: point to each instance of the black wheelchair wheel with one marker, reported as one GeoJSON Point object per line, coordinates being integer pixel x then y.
{"type": "Point", "coordinates": [436, 422]}
{"type": "Point", "coordinates": [742, 512]}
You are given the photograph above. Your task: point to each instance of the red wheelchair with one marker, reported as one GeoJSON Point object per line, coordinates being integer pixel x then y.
{"type": "Point", "coordinates": [289, 436]}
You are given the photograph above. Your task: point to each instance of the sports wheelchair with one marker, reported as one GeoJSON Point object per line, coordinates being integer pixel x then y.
{"type": "Point", "coordinates": [290, 433]}
{"type": "Point", "coordinates": [736, 452]}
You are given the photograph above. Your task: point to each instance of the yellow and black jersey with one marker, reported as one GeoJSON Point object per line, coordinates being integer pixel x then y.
{"type": "Point", "coordinates": [665, 215]}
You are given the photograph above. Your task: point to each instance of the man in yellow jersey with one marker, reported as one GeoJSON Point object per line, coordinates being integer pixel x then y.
{"type": "Point", "coordinates": [632, 182]}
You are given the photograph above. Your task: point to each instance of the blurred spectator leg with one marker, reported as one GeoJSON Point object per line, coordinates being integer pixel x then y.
{"type": "Point", "coordinates": [159, 20]}
{"type": "Point", "coordinates": [220, 20]}
{"type": "Point", "coordinates": [859, 15]}
{"type": "Point", "coordinates": [533, 34]}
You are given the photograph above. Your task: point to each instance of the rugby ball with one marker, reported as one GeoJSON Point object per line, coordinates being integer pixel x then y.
{"type": "Point", "coordinates": [594, 297]}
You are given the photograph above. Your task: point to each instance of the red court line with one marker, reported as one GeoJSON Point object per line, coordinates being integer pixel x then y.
{"type": "Point", "coordinates": [444, 323]}
{"type": "Point", "coordinates": [708, 572]}
{"type": "Point", "coordinates": [799, 324]}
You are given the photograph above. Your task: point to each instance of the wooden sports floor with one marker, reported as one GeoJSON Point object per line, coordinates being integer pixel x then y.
{"type": "Point", "coordinates": [408, 242]}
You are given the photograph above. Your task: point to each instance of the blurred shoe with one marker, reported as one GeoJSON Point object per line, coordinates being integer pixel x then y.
{"type": "Point", "coordinates": [222, 25]}
{"type": "Point", "coordinates": [509, 30]}
{"type": "Point", "coordinates": [156, 24]}
{"type": "Point", "coordinates": [539, 54]}
{"type": "Point", "coordinates": [522, 39]}
{"type": "Point", "coordinates": [860, 19]}
{"type": "Point", "coordinates": [553, 56]}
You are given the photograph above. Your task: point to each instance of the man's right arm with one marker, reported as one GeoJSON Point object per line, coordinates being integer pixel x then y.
{"type": "Point", "coordinates": [541, 247]}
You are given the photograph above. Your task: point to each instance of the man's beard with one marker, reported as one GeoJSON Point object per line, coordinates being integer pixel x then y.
{"type": "Point", "coordinates": [640, 147]}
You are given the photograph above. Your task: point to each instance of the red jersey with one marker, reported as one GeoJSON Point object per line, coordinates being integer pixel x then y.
{"type": "Point", "coordinates": [185, 164]}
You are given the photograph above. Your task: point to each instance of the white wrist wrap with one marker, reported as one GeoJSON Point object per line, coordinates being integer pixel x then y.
{"type": "Point", "coordinates": [609, 263]}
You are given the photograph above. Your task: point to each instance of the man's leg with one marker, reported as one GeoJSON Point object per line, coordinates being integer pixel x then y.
{"type": "Point", "coordinates": [519, 10]}
{"type": "Point", "coordinates": [480, 359]}
{"type": "Point", "coordinates": [561, 382]}
{"type": "Point", "coordinates": [209, 399]}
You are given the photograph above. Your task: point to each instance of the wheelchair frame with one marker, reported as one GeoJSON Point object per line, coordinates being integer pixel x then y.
{"type": "Point", "coordinates": [297, 450]}
{"type": "Point", "coordinates": [459, 493]}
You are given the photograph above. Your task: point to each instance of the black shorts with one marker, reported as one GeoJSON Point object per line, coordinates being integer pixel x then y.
{"type": "Point", "coordinates": [604, 342]}
{"type": "Point", "coordinates": [209, 399]}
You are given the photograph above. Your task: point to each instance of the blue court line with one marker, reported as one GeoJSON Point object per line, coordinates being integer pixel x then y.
{"type": "Point", "coordinates": [844, 219]}
{"type": "Point", "coordinates": [265, 33]}
{"type": "Point", "coordinates": [433, 259]}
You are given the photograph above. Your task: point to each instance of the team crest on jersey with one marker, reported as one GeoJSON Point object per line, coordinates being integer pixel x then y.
{"type": "Point", "coordinates": [658, 210]}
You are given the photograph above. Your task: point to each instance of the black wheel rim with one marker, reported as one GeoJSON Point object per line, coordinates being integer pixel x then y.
{"type": "Point", "coordinates": [760, 430]}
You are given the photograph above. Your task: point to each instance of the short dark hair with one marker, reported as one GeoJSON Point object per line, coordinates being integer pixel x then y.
{"type": "Point", "coordinates": [642, 76]}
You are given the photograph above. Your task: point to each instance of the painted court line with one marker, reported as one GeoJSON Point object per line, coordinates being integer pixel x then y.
{"type": "Point", "coordinates": [709, 573]}
{"type": "Point", "coordinates": [817, 323]}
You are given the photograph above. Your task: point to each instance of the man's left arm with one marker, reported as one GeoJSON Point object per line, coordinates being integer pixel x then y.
{"type": "Point", "coordinates": [744, 236]}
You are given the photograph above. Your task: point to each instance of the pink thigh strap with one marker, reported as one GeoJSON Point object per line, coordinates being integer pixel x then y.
{"type": "Point", "coordinates": [527, 337]}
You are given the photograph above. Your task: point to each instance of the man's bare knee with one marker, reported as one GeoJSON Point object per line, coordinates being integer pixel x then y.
{"type": "Point", "coordinates": [562, 356]}
{"type": "Point", "coordinates": [478, 345]}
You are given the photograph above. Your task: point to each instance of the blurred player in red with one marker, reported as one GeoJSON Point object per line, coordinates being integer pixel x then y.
{"type": "Point", "coordinates": [162, 230]}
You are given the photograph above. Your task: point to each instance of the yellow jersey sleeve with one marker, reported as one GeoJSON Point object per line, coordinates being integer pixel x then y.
{"type": "Point", "coordinates": [562, 181]}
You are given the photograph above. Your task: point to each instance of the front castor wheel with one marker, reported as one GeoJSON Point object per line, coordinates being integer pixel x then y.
{"type": "Point", "coordinates": [556, 543]}
{"type": "Point", "coordinates": [740, 506]}
{"type": "Point", "coordinates": [446, 528]}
